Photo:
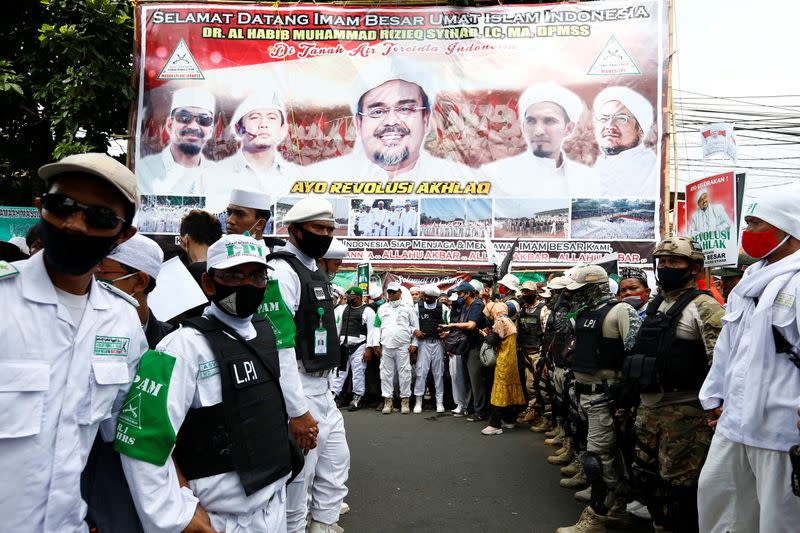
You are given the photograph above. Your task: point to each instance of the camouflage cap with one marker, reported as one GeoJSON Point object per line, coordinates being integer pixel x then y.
{"type": "Point", "coordinates": [680, 246]}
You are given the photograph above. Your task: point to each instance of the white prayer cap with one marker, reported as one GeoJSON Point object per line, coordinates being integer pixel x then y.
{"type": "Point", "coordinates": [139, 253]}
{"type": "Point", "coordinates": [477, 285]}
{"type": "Point", "coordinates": [431, 290]}
{"type": "Point", "coordinates": [337, 290]}
{"type": "Point", "coordinates": [778, 207]}
{"type": "Point", "coordinates": [511, 281]}
{"type": "Point", "coordinates": [20, 243]}
{"type": "Point", "coordinates": [251, 199]}
{"type": "Point", "coordinates": [193, 97]}
{"type": "Point", "coordinates": [551, 92]}
{"type": "Point", "coordinates": [637, 104]}
{"type": "Point", "coordinates": [337, 250]}
{"type": "Point", "coordinates": [391, 68]}
{"type": "Point", "coordinates": [415, 289]}
{"type": "Point", "coordinates": [393, 286]}
{"type": "Point", "coordinates": [232, 250]}
{"type": "Point", "coordinates": [265, 100]}
{"type": "Point", "coordinates": [309, 209]}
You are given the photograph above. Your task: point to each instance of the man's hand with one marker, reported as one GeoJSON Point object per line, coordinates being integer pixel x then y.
{"type": "Point", "coordinates": [418, 334]}
{"type": "Point", "coordinates": [713, 417]}
{"type": "Point", "coordinates": [412, 351]}
{"type": "Point", "coordinates": [368, 352]}
{"type": "Point", "coordinates": [200, 523]}
{"type": "Point", "coordinates": [304, 429]}
{"type": "Point", "coordinates": [378, 350]}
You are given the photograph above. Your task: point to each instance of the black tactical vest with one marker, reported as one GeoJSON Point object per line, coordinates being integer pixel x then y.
{"type": "Point", "coordinates": [352, 325]}
{"type": "Point", "coordinates": [559, 337]}
{"type": "Point", "coordinates": [315, 294]}
{"type": "Point", "coordinates": [530, 327]}
{"type": "Point", "coordinates": [593, 351]}
{"type": "Point", "coordinates": [248, 431]}
{"type": "Point", "coordinates": [430, 319]}
{"type": "Point", "coordinates": [678, 364]}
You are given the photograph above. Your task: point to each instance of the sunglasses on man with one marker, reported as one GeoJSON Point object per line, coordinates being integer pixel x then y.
{"type": "Point", "coordinates": [97, 216]}
{"type": "Point", "coordinates": [185, 117]}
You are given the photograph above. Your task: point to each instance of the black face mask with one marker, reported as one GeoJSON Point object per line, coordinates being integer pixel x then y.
{"type": "Point", "coordinates": [313, 245]}
{"type": "Point", "coordinates": [529, 299]}
{"type": "Point", "coordinates": [430, 301]}
{"type": "Point", "coordinates": [241, 301]}
{"type": "Point", "coordinates": [74, 253]}
{"type": "Point", "coordinates": [353, 302]}
{"type": "Point", "coordinates": [672, 279]}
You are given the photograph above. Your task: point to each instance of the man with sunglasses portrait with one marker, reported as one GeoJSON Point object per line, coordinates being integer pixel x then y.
{"type": "Point", "coordinates": [392, 117]}
{"type": "Point", "coordinates": [69, 345]}
{"type": "Point", "coordinates": [181, 168]}
{"type": "Point", "coordinates": [622, 120]}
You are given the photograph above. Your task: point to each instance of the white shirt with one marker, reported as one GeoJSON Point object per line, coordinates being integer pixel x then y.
{"type": "Point", "coordinates": [408, 222]}
{"type": "Point", "coordinates": [236, 172]}
{"type": "Point", "coordinates": [356, 166]}
{"type": "Point", "coordinates": [713, 218]}
{"type": "Point", "coordinates": [58, 381]}
{"type": "Point", "coordinates": [365, 221]}
{"type": "Point", "coordinates": [397, 325]}
{"type": "Point", "coordinates": [296, 384]}
{"type": "Point", "coordinates": [195, 382]}
{"type": "Point", "coordinates": [161, 174]}
{"type": "Point", "coordinates": [632, 174]}
{"type": "Point", "coordinates": [529, 176]}
{"type": "Point", "coordinates": [759, 389]}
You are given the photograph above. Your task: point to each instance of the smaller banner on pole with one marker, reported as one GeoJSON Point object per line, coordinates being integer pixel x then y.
{"type": "Point", "coordinates": [719, 138]}
{"type": "Point", "coordinates": [681, 230]}
{"type": "Point", "coordinates": [710, 212]}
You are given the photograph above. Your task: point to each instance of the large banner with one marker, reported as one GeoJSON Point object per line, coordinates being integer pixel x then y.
{"type": "Point", "coordinates": [430, 129]}
{"type": "Point", "coordinates": [711, 215]}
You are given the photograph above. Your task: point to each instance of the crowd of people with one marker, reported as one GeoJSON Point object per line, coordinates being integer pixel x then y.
{"type": "Point", "coordinates": [379, 221]}
{"type": "Point", "coordinates": [535, 226]}
{"type": "Point", "coordinates": [456, 228]}
{"type": "Point", "coordinates": [665, 402]}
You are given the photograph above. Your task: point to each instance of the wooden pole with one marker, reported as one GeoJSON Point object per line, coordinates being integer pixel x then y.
{"type": "Point", "coordinates": [672, 150]}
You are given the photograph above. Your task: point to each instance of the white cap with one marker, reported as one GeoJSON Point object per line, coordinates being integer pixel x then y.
{"type": "Point", "coordinates": [511, 281]}
{"type": "Point", "coordinates": [587, 274]}
{"type": "Point", "coordinates": [375, 291]}
{"type": "Point", "coordinates": [232, 250]}
{"type": "Point", "coordinates": [778, 207]}
{"type": "Point", "coordinates": [453, 297]}
{"type": "Point", "coordinates": [560, 282]}
{"type": "Point", "coordinates": [20, 243]}
{"type": "Point", "coordinates": [193, 97]}
{"type": "Point", "coordinates": [431, 290]}
{"type": "Point", "coordinates": [251, 199]}
{"type": "Point", "coordinates": [477, 285]}
{"type": "Point", "coordinates": [551, 92]}
{"type": "Point", "coordinates": [140, 253]}
{"type": "Point", "coordinates": [337, 250]}
{"type": "Point", "coordinates": [393, 286]}
{"type": "Point", "coordinates": [309, 209]}
{"type": "Point", "coordinates": [100, 165]}
{"type": "Point", "coordinates": [265, 100]}
{"type": "Point", "coordinates": [415, 288]}
{"type": "Point", "coordinates": [637, 104]}
{"type": "Point", "coordinates": [337, 290]}
{"type": "Point", "coordinates": [391, 68]}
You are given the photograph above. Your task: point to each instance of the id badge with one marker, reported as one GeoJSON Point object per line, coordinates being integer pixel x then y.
{"type": "Point", "coordinates": [320, 341]}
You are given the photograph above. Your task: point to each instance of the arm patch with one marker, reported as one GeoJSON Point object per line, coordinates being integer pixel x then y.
{"type": "Point", "coordinates": [144, 431]}
{"type": "Point", "coordinates": [275, 311]}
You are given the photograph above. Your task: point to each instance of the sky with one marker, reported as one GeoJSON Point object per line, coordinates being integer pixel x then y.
{"type": "Point", "coordinates": [738, 48]}
{"type": "Point", "coordinates": [452, 208]}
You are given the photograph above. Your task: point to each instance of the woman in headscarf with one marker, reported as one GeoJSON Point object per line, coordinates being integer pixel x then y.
{"type": "Point", "coordinates": [507, 388]}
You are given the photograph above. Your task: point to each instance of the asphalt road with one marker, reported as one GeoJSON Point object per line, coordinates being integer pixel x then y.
{"type": "Point", "coordinates": [437, 473]}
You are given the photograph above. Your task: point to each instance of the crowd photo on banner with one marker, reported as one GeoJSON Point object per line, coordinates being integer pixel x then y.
{"type": "Point", "coordinates": [189, 338]}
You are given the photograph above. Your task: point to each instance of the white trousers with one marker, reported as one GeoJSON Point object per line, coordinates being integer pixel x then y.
{"type": "Point", "coordinates": [395, 360]}
{"type": "Point", "coordinates": [743, 489]}
{"type": "Point", "coordinates": [457, 378]}
{"type": "Point", "coordinates": [270, 519]}
{"type": "Point", "coordinates": [355, 363]}
{"type": "Point", "coordinates": [430, 358]}
{"type": "Point", "coordinates": [320, 487]}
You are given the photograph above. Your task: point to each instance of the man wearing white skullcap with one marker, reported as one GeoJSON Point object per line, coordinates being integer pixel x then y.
{"type": "Point", "coordinates": [314, 419]}
{"type": "Point", "coordinates": [408, 221]}
{"type": "Point", "coordinates": [430, 350]}
{"type": "Point", "coordinates": [259, 123]}
{"type": "Point", "coordinates": [549, 114]}
{"type": "Point", "coordinates": [181, 167]}
{"type": "Point", "coordinates": [752, 389]}
{"type": "Point", "coordinates": [332, 260]}
{"type": "Point", "coordinates": [707, 217]}
{"type": "Point", "coordinates": [622, 120]}
{"type": "Point", "coordinates": [392, 109]}
{"type": "Point", "coordinates": [248, 211]}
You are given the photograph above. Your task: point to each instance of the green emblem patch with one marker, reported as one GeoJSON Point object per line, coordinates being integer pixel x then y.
{"type": "Point", "coordinates": [276, 312]}
{"type": "Point", "coordinates": [144, 430]}
{"type": "Point", "coordinates": [7, 270]}
{"type": "Point", "coordinates": [105, 345]}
